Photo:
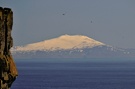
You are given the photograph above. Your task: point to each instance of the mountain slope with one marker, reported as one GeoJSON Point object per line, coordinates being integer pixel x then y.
{"type": "Point", "coordinates": [63, 42]}
{"type": "Point", "coordinates": [66, 46]}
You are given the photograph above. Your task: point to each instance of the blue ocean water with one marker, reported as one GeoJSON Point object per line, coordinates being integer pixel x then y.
{"type": "Point", "coordinates": [75, 75]}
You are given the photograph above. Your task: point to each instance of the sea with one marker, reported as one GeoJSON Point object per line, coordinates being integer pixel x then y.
{"type": "Point", "coordinates": [73, 74]}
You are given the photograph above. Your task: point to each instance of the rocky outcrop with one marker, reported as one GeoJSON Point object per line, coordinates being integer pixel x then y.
{"type": "Point", "coordinates": [8, 71]}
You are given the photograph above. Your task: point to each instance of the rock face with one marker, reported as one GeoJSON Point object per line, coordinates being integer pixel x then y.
{"type": "Point", "coordinates": [8, 71]}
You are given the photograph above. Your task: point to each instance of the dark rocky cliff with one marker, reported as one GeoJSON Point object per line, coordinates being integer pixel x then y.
{"type": "Point", "coordinates": [8, 71]}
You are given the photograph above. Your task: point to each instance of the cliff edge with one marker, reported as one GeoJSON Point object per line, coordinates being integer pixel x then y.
{"type": "Point", "coordinates": [8, 71]}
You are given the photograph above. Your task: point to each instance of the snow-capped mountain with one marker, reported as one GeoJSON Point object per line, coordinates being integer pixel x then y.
{"type": "Point", "coordinates": [64, 42]}
{"type": "Point", "coordinates": [68, 46]}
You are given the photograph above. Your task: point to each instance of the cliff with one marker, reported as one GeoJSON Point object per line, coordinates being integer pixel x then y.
{"type": "Point", "coordinates": [8, 71]}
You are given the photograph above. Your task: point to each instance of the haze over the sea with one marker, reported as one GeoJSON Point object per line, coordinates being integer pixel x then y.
{"type": "Point", "coordinates": [109, 21]}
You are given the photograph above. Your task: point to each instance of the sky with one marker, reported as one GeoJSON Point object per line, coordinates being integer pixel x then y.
{"type": "Point", "coordinates": [109, 21]}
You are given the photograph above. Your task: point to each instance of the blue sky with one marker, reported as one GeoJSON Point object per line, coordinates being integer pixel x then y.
{"type": "Point", "coordinates": [109, 21]}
